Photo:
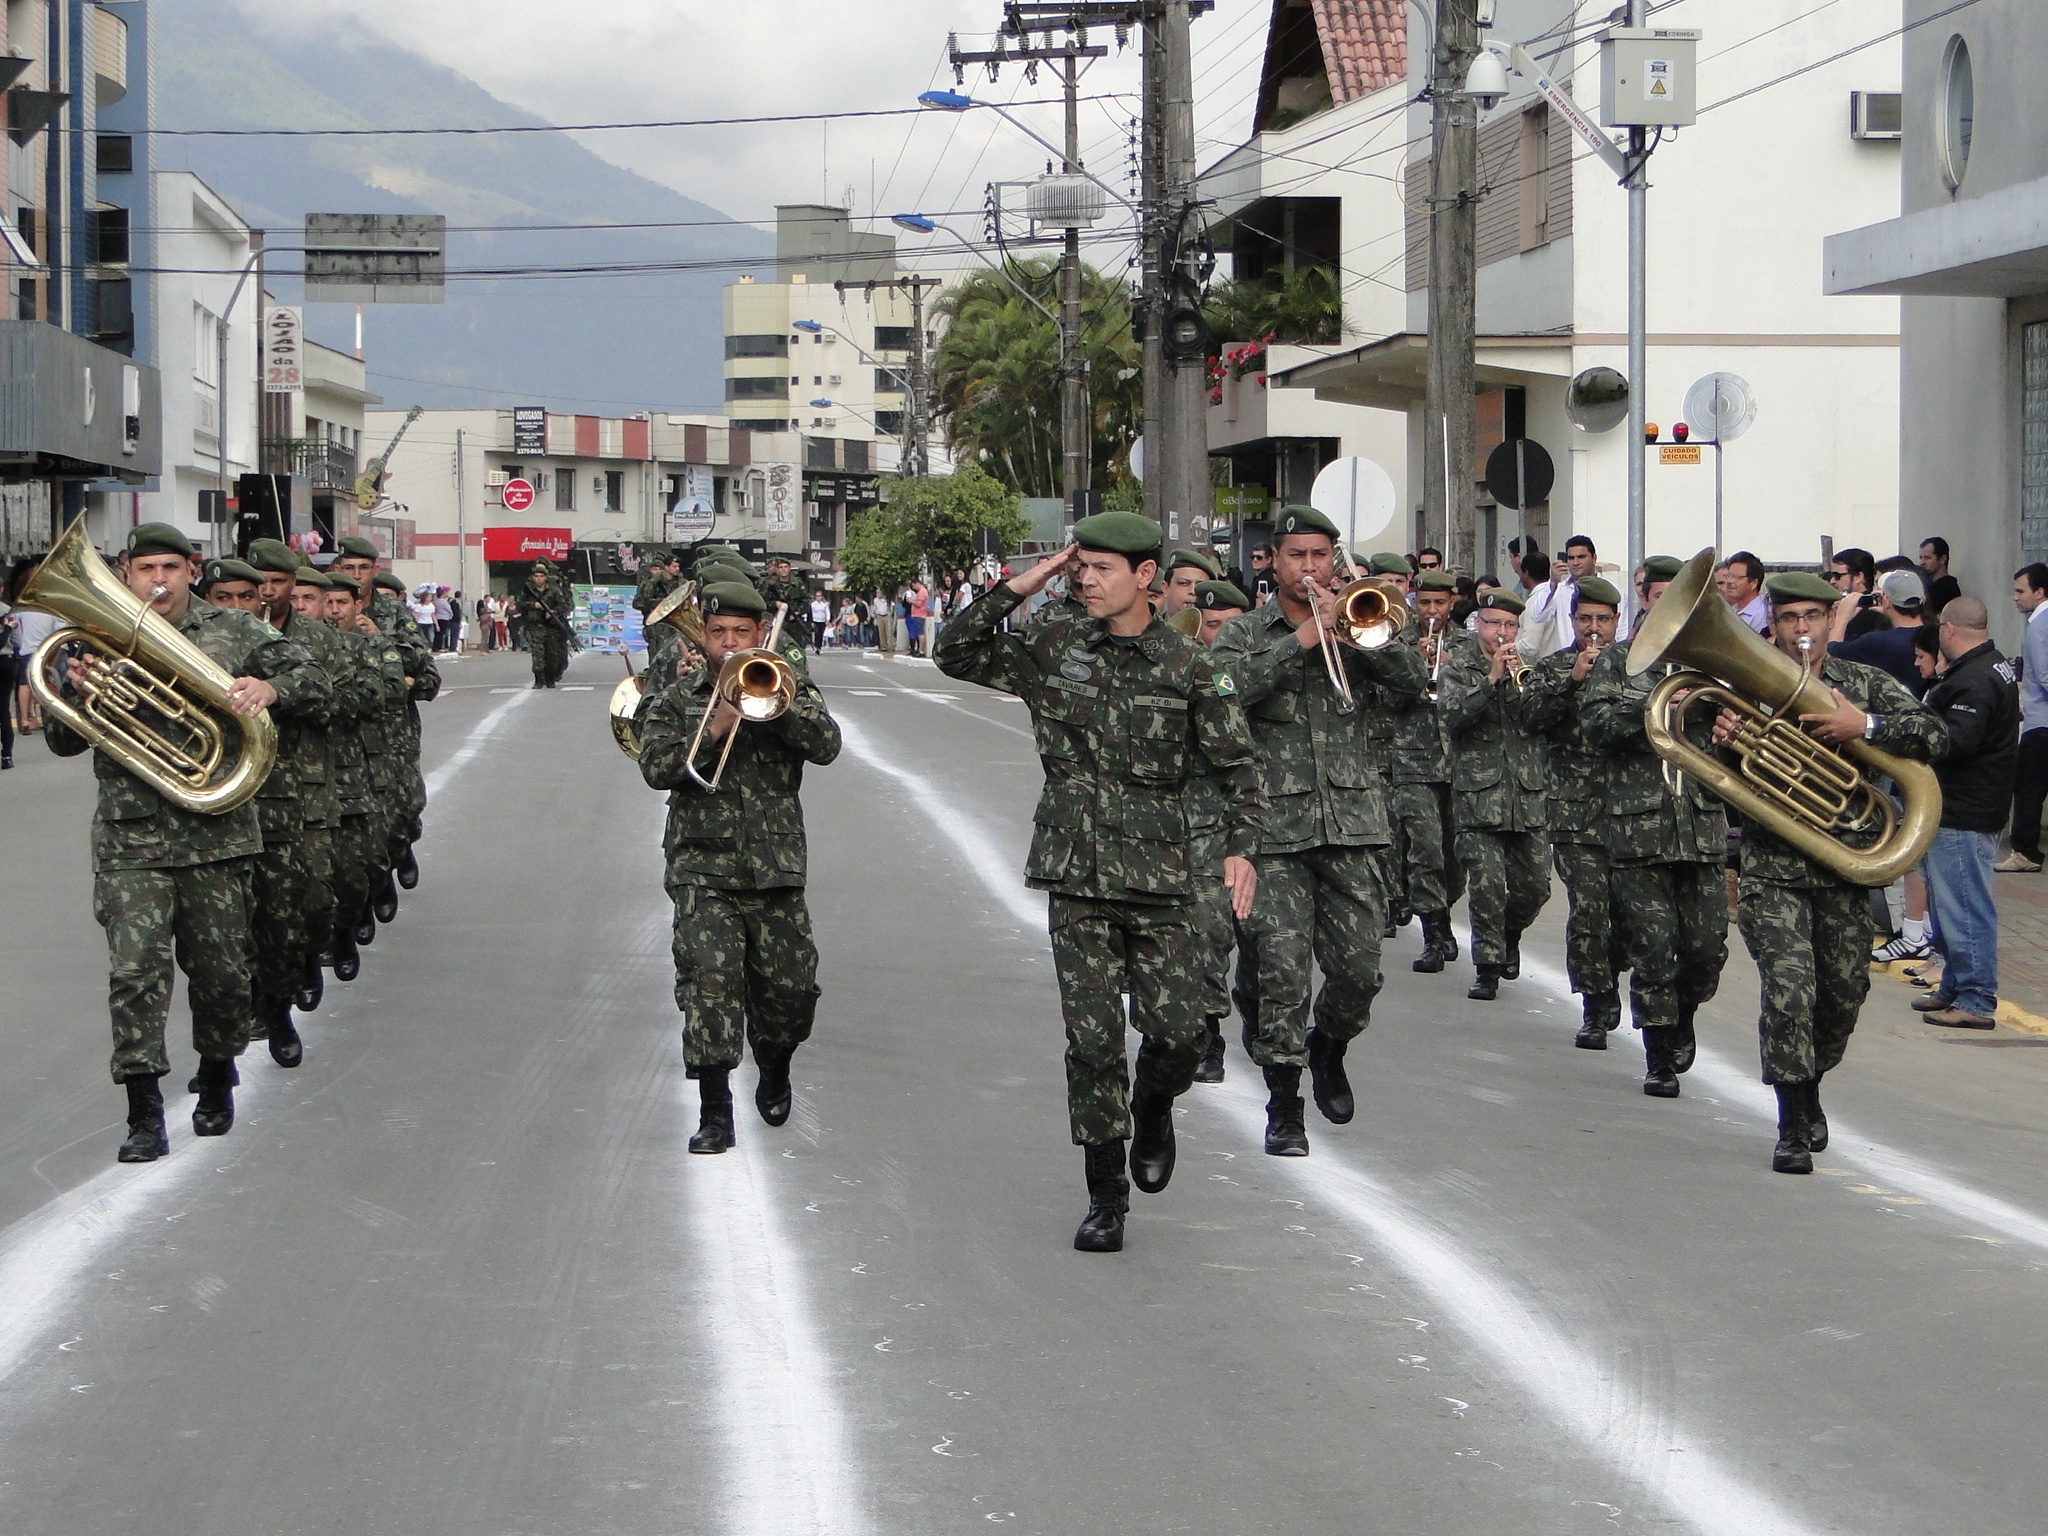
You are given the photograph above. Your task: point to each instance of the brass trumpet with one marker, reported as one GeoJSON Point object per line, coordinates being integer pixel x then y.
{"type": "Point", "coordinates": [759, 683]}
{"type": "Point", "coordinates": [1813, 796]}
{"type": "Point", "coordinates": [679, 610]}
{"type": "Point", "coordinates": [151, 699]}
{"type": "Point", "coordinates": [1517, 669]}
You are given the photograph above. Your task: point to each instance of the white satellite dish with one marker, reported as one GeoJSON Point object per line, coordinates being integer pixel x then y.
{"type": "Point", "coordinates": [1357, 495]}
{"type": "Point", "coordinates": [1137, 457]}
{"type": "Point", "coordinates": [1720, 407]}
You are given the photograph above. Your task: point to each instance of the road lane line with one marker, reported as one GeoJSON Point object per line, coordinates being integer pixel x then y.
{"type": "Point", "coordinates": [44, 1253]}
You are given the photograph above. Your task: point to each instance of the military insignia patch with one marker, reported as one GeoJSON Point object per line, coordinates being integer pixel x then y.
{"type": "Point", "coordinates": [1224, 683]}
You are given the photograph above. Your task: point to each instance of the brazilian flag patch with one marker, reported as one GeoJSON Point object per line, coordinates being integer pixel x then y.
{"type": "Point", "coordinates": [1224, 684]}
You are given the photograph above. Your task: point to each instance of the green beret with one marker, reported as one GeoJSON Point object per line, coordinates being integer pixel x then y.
{"type": "Point", "coordinates": [308, 576]}
{"type": "Point", "coordinates": [1385, 563]}
{"type": "Point", "coordinates": [271, 555]}
{"type": "Point", "coordinates": [1799, 587]}
{"type": "Point", "coordinates": [1304, 520]}
{"type": "Point", "coordinates": [355, 548]}
{"type": "Point", "coordinates": [388, 582]}
{"type": "Point", "coordinates": [158, 539]}
{"type": "Point", "coordinates": [1118, 533]}
{"type": "Point", "coordinates": [1183, 558]}
{"type": "Point", "coordinates": [1594, 589]}
{"type": "Point", "coordinates": [231, 570]}
{"type": "Point", "coordinates": [1435, 581]}
{"type": "Point", "coordinates": [1494, 600]}
{"type": "Point", "coordinates": [1662, 568]}
{"type": "Point", "coordinates": [731, 597]}
{"type": "Point", "coordinates": [1212, 595]}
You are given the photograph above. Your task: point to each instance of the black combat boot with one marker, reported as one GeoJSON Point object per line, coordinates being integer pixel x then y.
{"type": "Point", "coordinates": [234, 1077]}
{"type": "Point", "coordinates": [1436, 927]}
{"type": "Point", "coordinates": [315, 988]}
{"type": "Point", "coordinates": [1447, 938]}
{"type": "Point", "coordinates": [537, 683]}
{"type": "Point", "coordinates": [347, 962]}
{"type": "Point", "coordinates": [714, 1123]}
{"type": "Point", "coordinates": [215, 1111]}
{"type": "Point", "coordinates": [1211, 1069]}
{"type": "Point", "coordinates": [1487, 987]}
{"type": "Point", "coordinates": [1327, 1078]}
{"type": "Point", "coordinates": [1511, 963]}
{"type": "Point", "coordinates": [1794, 1152]}
{"type": "Point", "coordinates": [408, 870]}
{"type": "Point", "coordinates": [365, 931]}
{"type": "Point", "coordinates": [1592, 1035]}
{"type": "Point", "coordinates": [1659, 1080]}
{"type": "Point", "coordinates": [1816, 1121]}
{"type": "Point", "coordinates": [274, 1018]}
{"type": "Point", "coordinates": [1286, 1118]}
{"type": "Point", "coordinates": [772, 1094]}
{"type": "Point", "coordinates": [1152, 1144]}
{"type": "Point", "coordinates": [384, 904]}
{"type": "Point", "coordinates": [147, 1140]}
{"type": "Point", "coordinates": [1684, 1047]}
{"type": "Point", "coordinates": [1109, 1196]}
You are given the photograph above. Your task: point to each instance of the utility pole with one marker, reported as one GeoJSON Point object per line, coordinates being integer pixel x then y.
{"type": "Point", "coordinates": [915, 443]}
{"type": "Point", "coordinates": [1447, 460]}
{"type": "Point", "coordinates": [1639, 341]}
{"type": "Point", "coordinates": [1182, 474]}
{"type": "Point", "coordinates": [462, 528]}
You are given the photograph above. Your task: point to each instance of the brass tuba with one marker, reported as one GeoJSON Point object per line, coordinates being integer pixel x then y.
{"type": "Point", "coordinates": [678, 609]}
{"type": "Point", "coordinates": [759, 683]}
{"type": "Point", "coordinates": [151, 700]}
{"type": "Point", "coordinates": [1813, 796]}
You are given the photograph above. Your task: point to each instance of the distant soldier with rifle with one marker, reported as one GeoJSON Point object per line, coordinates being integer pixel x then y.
{"type": "Point", "coordinates": [543, 608]}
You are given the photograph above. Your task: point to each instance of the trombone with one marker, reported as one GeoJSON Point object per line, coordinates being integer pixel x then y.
{"type": "Point", "coordinates": [759, 683]}
{"type": "Point", "coordinates": [1371, 613]}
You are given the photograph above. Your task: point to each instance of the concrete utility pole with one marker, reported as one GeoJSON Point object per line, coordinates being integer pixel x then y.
{"type": "Point", "coordinates": [1447, 462]}
{"type": "Point", "coordinates": [916, 459]}
{"type": "Point", "coordinates": [1183, 458]}
{"type": "Point", "coordinates": [1638, 339]}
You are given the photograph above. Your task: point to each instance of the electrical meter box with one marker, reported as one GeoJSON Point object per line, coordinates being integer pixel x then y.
{"type": "Point", "coordinates": [1647, 77]}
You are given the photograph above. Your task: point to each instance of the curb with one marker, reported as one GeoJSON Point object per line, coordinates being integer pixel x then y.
{"type": "Point", "coordinates": [2011, 1015]}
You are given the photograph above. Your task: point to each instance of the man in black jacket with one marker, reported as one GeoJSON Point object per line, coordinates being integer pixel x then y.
{"type": "Point", "coordinates": [1977, 698]}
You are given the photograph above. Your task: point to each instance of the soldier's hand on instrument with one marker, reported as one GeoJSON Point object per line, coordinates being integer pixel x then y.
{"type": "Point", "coordinates": [1242, 877]}
{"type": "Point", "coordinates": [1726, 725]}
{"type": "Point", "coordinates": [250, 696]}
{"type": "Point", "coordinates": [1036, 579]}
{"type": "Point", "coordinates": [1584, 664]}
{"type": "Point", "coordinates": [724, 716]}
{"type": "Point", "coordinates": [1844, 723]}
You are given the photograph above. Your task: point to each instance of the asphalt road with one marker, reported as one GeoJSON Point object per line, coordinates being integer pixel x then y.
{"type": "Point", "coordinates": [458, 1275]}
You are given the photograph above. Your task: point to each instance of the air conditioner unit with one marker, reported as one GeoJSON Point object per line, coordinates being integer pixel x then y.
{"type": "Point", "coordinates": [1877, 115]}
{"type": "Point", "coordinates": [835, 381]}
{"type": "Point", "coordinates": [495, 477]}
{"type": "Point", "coordinates": [541, 481]}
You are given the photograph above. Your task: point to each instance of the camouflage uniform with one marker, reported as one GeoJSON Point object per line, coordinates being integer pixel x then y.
{"type": "Point", "coordinates": [1497, 792]}
{"type": "Point", "coordinates": [545, 615]}
{"type": "Point", "coordinates": [172, 882]}
{"type": "Point", "coordinates": [1666, 852]}
{"type": "Point", "coordinates": [1578, 838]}
{"type": "Point", "coordinates": [419, 665]}
{"type": "Point", "coordinates": [1424, 828]}
{"type": "Point", "coordinates": [1121, 725]}
{"type": "Point", "coordinates": [746, 963]}
{"type": "Point", "coordinates": [1319, 890]}
{"type": "Point", "coordinates": [356, 737]}
{"type": "Point", "coordinates": [1215, 919]}
{"type": "Point", "coordinates": [1807, 928]}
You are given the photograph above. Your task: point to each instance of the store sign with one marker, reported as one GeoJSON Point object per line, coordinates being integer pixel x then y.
{"type": "Point", "coordinates": [692, 515]}
{"type": "Point", "coordinates": [529, 431]}
{"type": "Point", "coordinates": [284, 349]}
{"type": "Point", "coordinates": [781, 497]}
{"type": "Point", "coordinates": [1242, 501]}
{"type": "Point", "coordinates": [527, 543]}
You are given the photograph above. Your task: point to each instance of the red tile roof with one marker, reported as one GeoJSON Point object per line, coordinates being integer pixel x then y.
{"type": "Point", "coordinates": [1365, 44]}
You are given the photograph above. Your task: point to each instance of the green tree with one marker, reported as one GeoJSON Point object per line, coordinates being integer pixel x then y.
{"type": "Point", "coordinates": [1304, 307]}
{"type": "Point", "coordinates": [996, 373]}
{"type": "Point", "coordinates": [930, 523]}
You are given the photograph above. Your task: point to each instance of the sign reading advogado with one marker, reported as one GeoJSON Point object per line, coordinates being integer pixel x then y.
{"type": "Point", "coordinates": [284, 349]}
{"type": "Point", "coordinates": [529, 430]}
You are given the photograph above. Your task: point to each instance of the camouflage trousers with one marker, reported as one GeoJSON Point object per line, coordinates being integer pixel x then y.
{"type": "Point", "coordinates": [407, 814]}
{"type": "Point", "coordinates": [1592, 941]}
{"type": "Point", "coordinates": [1507, 883]}
{"type": "Point", "coordinates": [1325, 906]}
{"type": "Point", "coordinates": [1215, 922]}
{"type": "Point", "coordinates": [1812, 949]}
{"type": "Point", "coordinates": [1674, 937]}
{"type": "Point", "coordinates": [746, 968]}
{"type": "Point", "coordinates": [198, 913]}
{"type": "Point", "coordinates": [353, 842]}
{"type": "Point", "coordinates": [1431, 877]}
{"type": "Point", "coordinates": [292, 909]}
{"type": "Point", "coordinates": [1102, 950]}
{"type": "Point", "coordinates": [550, 648]}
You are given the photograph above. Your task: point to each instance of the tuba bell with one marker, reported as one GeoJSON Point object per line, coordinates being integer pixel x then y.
{"type": "Point", "coordinates": [151, 700]}
{"type": "Point", "coordinates": [1813, 796]}
{"type": "Point", "coordinates": [679, 611]}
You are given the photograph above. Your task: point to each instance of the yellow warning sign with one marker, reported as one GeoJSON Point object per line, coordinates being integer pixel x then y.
{"type": "Point", "coordinates": [1658, 80]}
{"type": "Point", "coordinates": [1679, 453]}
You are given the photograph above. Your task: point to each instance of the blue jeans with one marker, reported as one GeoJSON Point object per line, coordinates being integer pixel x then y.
{"type": "Point", "coordinates": [1958, 871]}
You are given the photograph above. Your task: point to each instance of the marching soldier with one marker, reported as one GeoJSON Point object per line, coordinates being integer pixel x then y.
{"type": "Point", "coordinates": [1497, 784]}
{"type": "Point", "coordinates": [357, 736]}
{"type": "Point", "coordinates": [1185, 570]}
{"type": "Point", "coordinates": [1126, 711]}
{"type": "Point", "coordinates": [423, 686]}
{"type": "Point", "coordinates": [1578, 812]}
{"type": "Point", "coordinates": [1320, 897]}
{"type": "Point", "coordinates": [659, 576]}
{"type": "Point", "coordinates": [1666, 852]}
{"type": "Point", "coordinates": [1807, 928]}
{"type": "Point", "coordinates": [746, 963]}
{"type": "Point", "coordinates": [1389, 568]}
{"type": "Point", "coordinates": [310, 594]}
{"type": "Point", "coordinates": [1218, 602]}
{"type": "Point", "coordinates": [170, 882]}
{"type": "Point", "coordinates": [1421, 761]}
{"type": "Point", "coordinates": [544, 610]}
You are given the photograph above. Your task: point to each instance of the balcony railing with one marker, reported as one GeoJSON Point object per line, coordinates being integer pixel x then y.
{"type": "Point", "coordinates": [326, 466]}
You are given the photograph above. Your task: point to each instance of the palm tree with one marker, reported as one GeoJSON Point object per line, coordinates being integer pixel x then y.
{"type": "Point", "coordinates": [1303, 307]}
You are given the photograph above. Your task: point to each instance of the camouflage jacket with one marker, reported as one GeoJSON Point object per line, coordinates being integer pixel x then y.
{"type": "Point", "coordinates": [1421, 744]}
{"type": "Point", "coordinates": [300, 791]}
{"type": "Point", "coordinates": [1322, 787]}
{"type": "Point", "coordinates": [1122, 725]}
{"type": "Point", "coordinates": [1646, 822]}
{"type": "Point", "coordinates": [1497, 773]}
{"type": "Point", "coordinates": [792, 590]}
{"type": "Point", "coordinates": [749, 836]}
{"type": "Point", "coordinates": [546, 609]}
{"type": "Point", "coordinates": [363, 766]}
{"type": "Point", "coordinates": [655, 583]}
{"type": "Point", "coordinates": [136, 828]}
{"type": "Point", "coordinates": [1578, 774]}
{"type": "Point", "coordinates": [1907, 728]}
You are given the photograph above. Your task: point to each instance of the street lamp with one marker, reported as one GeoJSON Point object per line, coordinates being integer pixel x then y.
{"type": "Point", "coordinates": [953, 101]}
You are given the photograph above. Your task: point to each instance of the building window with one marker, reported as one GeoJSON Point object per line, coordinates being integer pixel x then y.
{"type": "Point", "coordinates": [892, 338]}
{"type": "Point", "coordinates": [1532, 181]}
{"type": "Point", "coordinates": [756, 346]}
{"type": "Point", "coordinates": [615, 490]}
{"type": "Point", "coordinates": [114, 154]}
{"type": "Point", "coordinates": [205, 346]}
{"type": "Point", "coordinates": [565, 490]}
{"type": "Point", "coordinates": [2034, 441]}
{"type": "Point", "coordinates": [889, 423]}
{"type": "Point", "coordinates": [113, 306]}
{"type": "Point", "coordinates": [888, 379]}
{"type": "Point", "coordinates": [110, 237]}
{"type": "Point", "coordinates": [1958, 111]}
{"type": "Point", "coordinates": [758, 389]}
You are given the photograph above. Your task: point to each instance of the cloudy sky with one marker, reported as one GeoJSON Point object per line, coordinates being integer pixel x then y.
{"type": "Point", "coordinates": [639, 59]}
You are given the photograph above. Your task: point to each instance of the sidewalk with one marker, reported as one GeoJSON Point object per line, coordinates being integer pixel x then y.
{"type": "Point", "coordinates": [2022, 953]}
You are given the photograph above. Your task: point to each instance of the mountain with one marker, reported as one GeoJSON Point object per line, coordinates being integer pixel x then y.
{"type": "Point", "coordinates": [605, 344]}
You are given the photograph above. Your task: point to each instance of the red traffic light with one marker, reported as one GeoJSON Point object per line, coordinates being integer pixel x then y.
{"type": "Point", "coordinates": [1681, 432]}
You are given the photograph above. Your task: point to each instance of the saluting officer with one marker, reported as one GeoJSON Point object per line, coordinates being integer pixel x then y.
{"type": "Point", "coordinates": [1421, 803]}
{"type": "Point", "coordinates": [1320, 896]}
{"type": "Point", "coordinates": [1807, 928]}
{"type": "Point", "coordinates": [1218, 602]}
{"type": "Point", "coordinates": [1578, 812]}
{"type": "Point", "coordinates": [1126, 711]}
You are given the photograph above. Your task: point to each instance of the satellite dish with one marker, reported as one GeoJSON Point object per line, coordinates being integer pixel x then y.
{"type": "Point", "coordinates": [1597, 400]}
{"type": "Point", "coordinates": [1137, 457]}
{"type": "Point", "coordinates": [1357, 495]}
{"type": "Point", "coordinates": [1721, 405]}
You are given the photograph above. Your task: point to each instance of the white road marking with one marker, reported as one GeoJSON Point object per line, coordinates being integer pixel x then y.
{"type": "Point", "coordinates": [473, 743]}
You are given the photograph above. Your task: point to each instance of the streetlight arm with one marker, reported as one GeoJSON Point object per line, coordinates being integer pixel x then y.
{"type": "Point", "coordinates": [953, 103]}
{"type": "Point", "coordinates": [993, 266]}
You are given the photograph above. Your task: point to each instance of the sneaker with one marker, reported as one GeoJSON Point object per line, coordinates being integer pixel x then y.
{"type": "Point", "coordinates": [1901, 948]}
{"type": "Point", "coordinates": [2017, 863]}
